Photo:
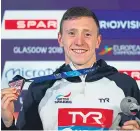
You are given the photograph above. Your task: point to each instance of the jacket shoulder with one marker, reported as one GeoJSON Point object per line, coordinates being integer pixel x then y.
{"type": "Point", "coordinates": [127, 84]}
{"type": "Point", "coordinates": [38, 89]}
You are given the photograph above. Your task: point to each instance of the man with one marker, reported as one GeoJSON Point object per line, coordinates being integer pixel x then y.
{"type": "Point", "coordinates": [74, 103]}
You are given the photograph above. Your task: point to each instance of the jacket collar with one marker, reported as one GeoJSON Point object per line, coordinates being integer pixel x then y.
{"type": "Point", "coordinates": [102, 70]}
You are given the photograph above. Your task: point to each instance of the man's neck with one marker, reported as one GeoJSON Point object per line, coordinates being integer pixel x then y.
{"type": "Point", "coordinates": [83, 66]}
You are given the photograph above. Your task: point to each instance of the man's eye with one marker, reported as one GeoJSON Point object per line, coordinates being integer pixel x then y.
{"type": "Point", "coordinates": [88, 34]}
{"type": "Point", "coordinates": [71, 33]}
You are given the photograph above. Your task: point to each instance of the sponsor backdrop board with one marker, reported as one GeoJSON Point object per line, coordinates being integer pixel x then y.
{"type": "Point", "coordinates": [29, 37]}
{"type": "Point", "coordinates": [20, 24]}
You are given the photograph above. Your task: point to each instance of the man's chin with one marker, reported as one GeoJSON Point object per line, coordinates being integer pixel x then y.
{"type": "Point", "coordinates": [78, 63]}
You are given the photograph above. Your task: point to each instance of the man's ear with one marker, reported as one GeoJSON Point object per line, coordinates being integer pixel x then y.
{"type": "Point", "coordinates": [99, 39]}
{"type": "Point", "coordinates": [60, 39]}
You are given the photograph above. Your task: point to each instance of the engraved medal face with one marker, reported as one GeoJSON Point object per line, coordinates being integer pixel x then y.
{"type": "Point", "coordinates": [18, 84]}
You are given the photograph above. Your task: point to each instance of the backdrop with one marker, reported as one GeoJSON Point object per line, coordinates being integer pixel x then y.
{"type": "Point", "coordinates": [29, 37]}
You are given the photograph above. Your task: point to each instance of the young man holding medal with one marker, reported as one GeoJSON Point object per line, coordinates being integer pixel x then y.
{"type": "Point", "coordinates": [83, 94]}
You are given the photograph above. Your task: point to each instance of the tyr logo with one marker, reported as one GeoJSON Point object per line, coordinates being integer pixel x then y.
{"type": "Point", "coordinates": [96, 116]}
{"type": "Point", "coordinates": [103, 100]}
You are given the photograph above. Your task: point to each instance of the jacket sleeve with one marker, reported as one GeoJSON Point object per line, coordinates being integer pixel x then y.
{"type": "Point", "coordinates": [12, 127]}
{"type": "Point", "coordinates": [28, 118]}
{"type": "Point", "coordinates": [136, 95]}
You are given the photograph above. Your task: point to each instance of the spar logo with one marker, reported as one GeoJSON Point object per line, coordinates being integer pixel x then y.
{"type": "Point", "coordinates": [135, 74]}
{"type": "Point", "coordinates": [84, 118]}
{"type": "Point", "coordinates": [33, 24]}
{"type": "Point", "coordinates": [63, 98]}
{"type": "Point", "coordinates": [30, 24]}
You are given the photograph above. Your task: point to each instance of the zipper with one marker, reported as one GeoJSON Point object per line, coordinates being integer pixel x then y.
{"type": "Point", "coordinates": [83, 77]}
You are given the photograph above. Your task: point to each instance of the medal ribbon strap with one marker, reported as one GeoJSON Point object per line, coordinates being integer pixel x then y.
{"type": "Point", "coordinates": [73, 73]}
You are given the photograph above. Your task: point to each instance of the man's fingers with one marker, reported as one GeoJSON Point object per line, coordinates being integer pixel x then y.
{"type": "Point", "coordinates": [132, 122]}
{"type": "Point", "coordinates": [9, 88]}
{"type": "Point", "coordinates": [7, 102]}
{"type": "Point", "coordinates": [129, 127]}
{"type": "Point", "coordinates": [8, 91]}
{"type": "Point", "coordinates": [8, 96]}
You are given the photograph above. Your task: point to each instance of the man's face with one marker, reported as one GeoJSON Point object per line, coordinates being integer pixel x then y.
{"type": "Point", "coordinates": [80, 38]}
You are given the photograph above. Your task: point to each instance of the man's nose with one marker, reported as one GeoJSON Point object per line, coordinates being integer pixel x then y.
{"type": "Point", "coordinates": [79, 40]}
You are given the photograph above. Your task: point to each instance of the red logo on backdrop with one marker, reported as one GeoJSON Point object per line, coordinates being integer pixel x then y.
{"type": "Point", "coordinates": [88, 117]}
{"type": "Point", "coordinates": [135, 74]}
{"type": "Point", "coordinates": [30, 24]}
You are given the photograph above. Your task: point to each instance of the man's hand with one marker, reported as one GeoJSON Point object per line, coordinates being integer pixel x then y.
{"type": "Point", "coordinates": [8, 95]}
{"type": "Point", "coordinates": [131, 125]}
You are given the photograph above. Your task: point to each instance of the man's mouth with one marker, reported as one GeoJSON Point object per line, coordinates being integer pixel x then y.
{"type": "Point", "coordinates": [79, 51]}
